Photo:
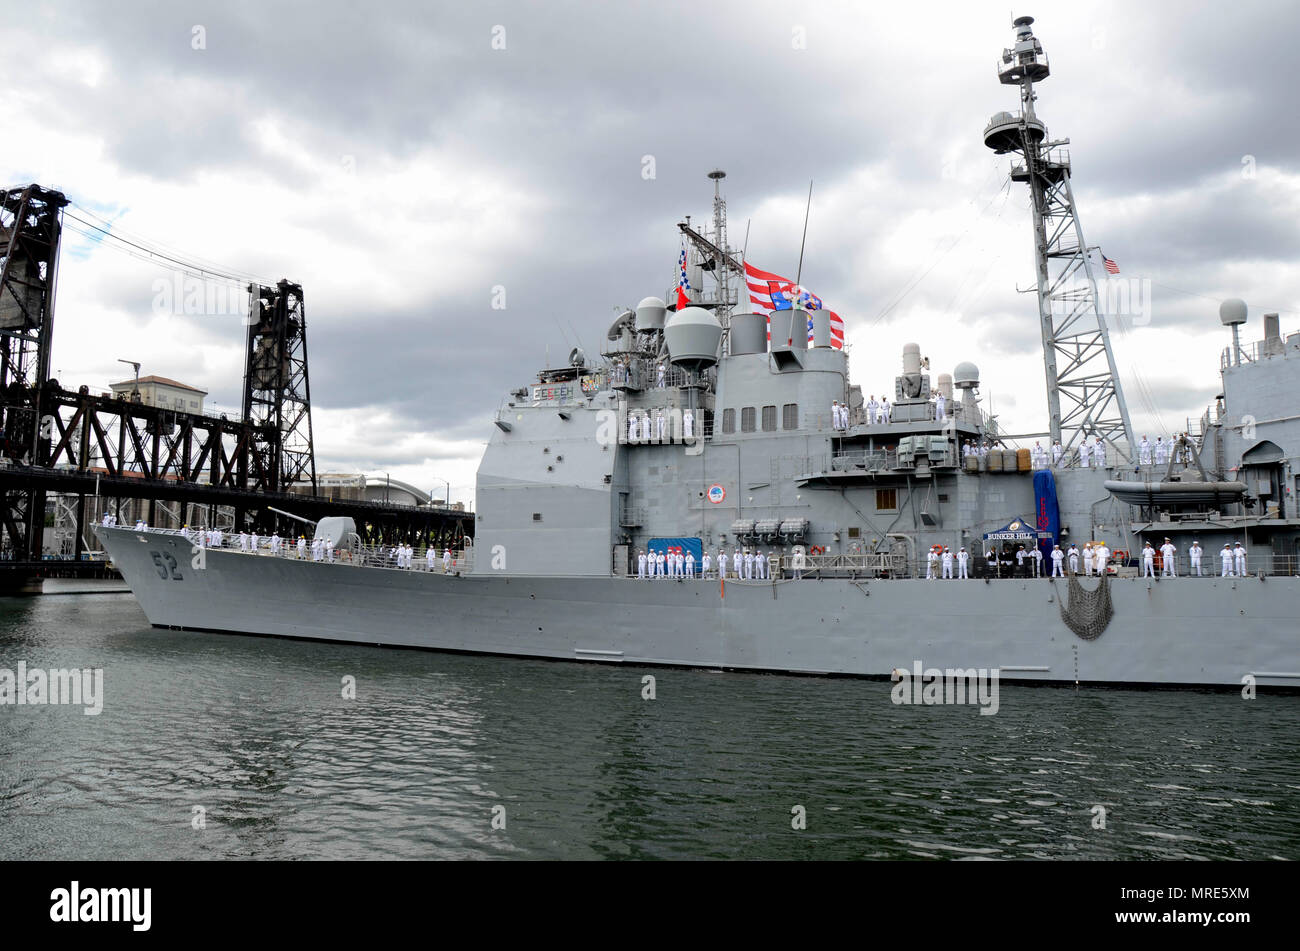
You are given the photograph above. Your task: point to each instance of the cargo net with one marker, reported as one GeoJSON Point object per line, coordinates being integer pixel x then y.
{"type": "Point", "coordinates": [1088, 612]}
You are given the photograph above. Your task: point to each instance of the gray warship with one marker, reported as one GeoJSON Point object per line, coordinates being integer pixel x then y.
{"type": "Point", "coordinates": [708, 427]}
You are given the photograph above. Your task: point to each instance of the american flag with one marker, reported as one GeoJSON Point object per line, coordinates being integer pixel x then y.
{"type": "Point", "coordinates": [1111, 266]}
{"type": "Point", "coordinates": [770, 292]}
{"type": "Point", "coordinates": [683, 282]}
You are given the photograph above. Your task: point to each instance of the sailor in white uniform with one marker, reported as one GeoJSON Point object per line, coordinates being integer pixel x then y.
{"type": "Point", "coordinates": [633, 427]}
{"type": "Point", "coordinates": [931, 564]}
{"type": "Point", "coordinates": [689, 564]}
{"type": "Point", "coordinates": [1162, 452]}
{"type": "Point", "coordinates": [1058, 557]}
{"type": "Point", "coordinates": [947, 564]}
{"type": "Point", "coordinates": [1100, 554]}
{"type": "Point", "coordinates": [1074, 559]}
{"type": "Point", "coordinates": [302, 547]}
{"type": "Point", "coordinates": [1085, 454]}
{"type": "Point", "coordinates": [706, 564]}
{"type": "Point", "coordinates": [661, 376]}
{"type": "Point", "coordinates": [1167, 552]}
{"type": "Point", "coordinates": [1058, 453]}
{"type": "Point", "coordinates": [688, 424]}
{"type": "Point", "coordinates": [962, 559]}
{"type": "Point", "coordinates": [1239, 557]}
{"type": "Point", "coordinates": [747, 564]}
{"type": "Point", "coordinates": [1144, 452]}
{"type": "Point", "coordinates": [1099, 454]}
{"type": "Point", "coordinates": [1087, 559]}
{"type": "Point", "coordinates": [835, 414]}
{"type": "Point", "coordinates": [446, 560]}
{"type": "Point", "coordinates": [1195, 553]}
{"type": "Point", "coordinates": [873, 409]}
{"type": "Point", "coordinates": [885, 410]}
{"type": "Point", "coordinates": [329, 548]}
{"type": "Point", "coordinates": [737, 560]}
{"type": "Point", "coordinates": [940, 406]}
{"type": "Point", "coordinates": [1225, 556]}
{"type": "Point", "coordinates": [640, 564]}
{"type": "Point", "coordinates": [1148, 561]}
{"type": "Point", "coordinates": [1037, 554]}
{"type": "Point", "coordinates": [431, 559]}
{"type": "Point", "coordinates": [661, 424]}
{"type": "Point", "coordinates": [275, 543]}
{"type": "Point", "coordinates": [681, 565]}
{"type": "Point", "coordinates": [722, 563]}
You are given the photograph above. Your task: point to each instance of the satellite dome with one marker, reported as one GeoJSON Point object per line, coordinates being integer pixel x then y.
{"type": "Point", "coordinates": [965, 374]}
{"type": "Point", "coordinates": [1232, 311]}
{"type": "Point", "coordinates": [650, 314]}
{"type": "Point", "coordinates": [693, 336]}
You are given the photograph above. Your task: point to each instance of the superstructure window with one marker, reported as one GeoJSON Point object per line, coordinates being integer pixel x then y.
{"type": "Point", "coordinates": [769, 419]}
{"type": "Point", "coordinates": [886, 500]}
{"type": "Point", "coordinates": [790, 416]}
{"type": "Point", "coordinates": [728, 420]}
{"type": "Point", "coordinates": [747, 418]}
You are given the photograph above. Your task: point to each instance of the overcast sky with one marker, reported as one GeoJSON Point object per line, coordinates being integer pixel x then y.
{"type": "Point", "coordinates": [399, 164]}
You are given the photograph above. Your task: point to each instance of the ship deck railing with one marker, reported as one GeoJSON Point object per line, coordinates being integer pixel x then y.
{"type": "Point", "coordinates": [362, 556]}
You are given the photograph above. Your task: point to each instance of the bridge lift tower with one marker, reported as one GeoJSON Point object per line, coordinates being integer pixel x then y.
{"type": "Point", "coordinates": [1084, 398]}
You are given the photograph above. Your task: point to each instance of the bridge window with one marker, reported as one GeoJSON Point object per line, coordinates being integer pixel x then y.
{"type": "Point", "coordinates": [790, 416]}
{"type": "Point", "coordinates": [728, 420]}
{"type": "Point", "coordinates": [747, 419]}
{"type": "Point", "coordinates": [769, 419]}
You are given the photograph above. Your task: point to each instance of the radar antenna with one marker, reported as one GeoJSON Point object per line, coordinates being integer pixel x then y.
{"type": "Point", "coordinates": [1084, 397]}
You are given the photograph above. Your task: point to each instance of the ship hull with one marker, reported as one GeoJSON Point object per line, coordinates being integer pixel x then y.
{"type": "Point", "coordinates": [1180, 631]}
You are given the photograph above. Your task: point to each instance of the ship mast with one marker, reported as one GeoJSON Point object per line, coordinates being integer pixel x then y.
{"type": "Point", "coordinates": [1084, 398]}
{"type": "Point", "coordinates": [711, 253]}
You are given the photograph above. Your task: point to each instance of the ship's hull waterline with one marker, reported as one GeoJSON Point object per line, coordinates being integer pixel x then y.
{"type": "Point", "coordinates": [1180, 631]}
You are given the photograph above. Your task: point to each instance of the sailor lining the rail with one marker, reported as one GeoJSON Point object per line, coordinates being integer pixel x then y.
{"type": "Point", "coordinates": [1162, 452]}
{"type": "Point", "coordinates": [1058, 557]}
{"type": "Point", "coordinates": [1144, 452]}
{"type": "Point", "coordinates": [1085, 454]}
{"type": "Point", "coordinates": [873, 409]}
{"type": "Point", "coordinates": [940, 405]}
{"type": "Point", "coordinates": [931, 563]}
{"type": "Point", "coordinates": [1225, 557]}
{"type": "Point", "coordinates": [1148, 561]}
{"type": "Point", "coordinates": [1074, 559]}
{"type": "Point", "coordinates": [1239, 556]}
{"type": "Point", "coordinates": [1195, 553]}
{"type": "Point", "coordinates": [947, 564]}
{"type": "Point", "coordinates": [446, 560]}
{"type": "Point", "coordinates": [688, 424]}
{"type": "Point", "coordinates": [962, 559]}
{"type": "Point", "coordinates": [690, 564]}
{"type": "Point", "coordinates": [1099, 454]}
{"type": "Point", "coordinates": [1167, 552]}
{"type": "Point", "coordinates": [1037, 554]}
{"type": "Point", "coordinates": [1058, 453]}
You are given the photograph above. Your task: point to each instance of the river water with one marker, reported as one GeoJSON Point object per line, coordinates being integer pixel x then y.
{"type": "Point", "coordinates": [216, 746]}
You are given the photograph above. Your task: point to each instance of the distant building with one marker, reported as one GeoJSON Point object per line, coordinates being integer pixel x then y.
{"type": "Point", "coordinates": [355, 487]}
{"type": "Point", "coordinates": [160, 391]}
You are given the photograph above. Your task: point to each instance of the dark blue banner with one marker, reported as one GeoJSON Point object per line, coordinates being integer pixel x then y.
{"type": "Point", "coordinates": [1047, 515]}
{"type": "Point", "coordinates": [675, 545]}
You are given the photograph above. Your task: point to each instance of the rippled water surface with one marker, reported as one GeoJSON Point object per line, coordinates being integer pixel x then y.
{"type": "Point", "coordinates": [256, 732]}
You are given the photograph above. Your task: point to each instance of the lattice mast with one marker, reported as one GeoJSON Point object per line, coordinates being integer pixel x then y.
{"type": "Point", "coordinates": [277, 394]}
{"type": "Point", "coordinates": [1084, 397]}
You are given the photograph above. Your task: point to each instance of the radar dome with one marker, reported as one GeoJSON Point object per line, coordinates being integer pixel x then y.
{"type": "Point", "coordinates": [1232, 311]}
{"type": "Point", "coordinates": [650, 315]}
{"type": "Point", "coordinates": [693, 336]}
{"type": "Point", "coordinates": [965, 375]}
